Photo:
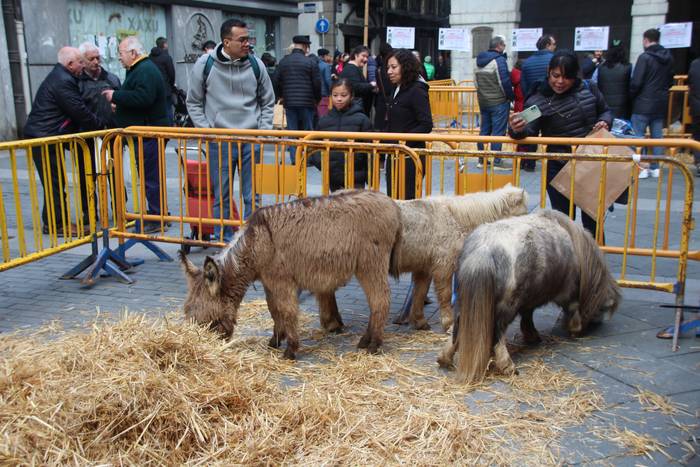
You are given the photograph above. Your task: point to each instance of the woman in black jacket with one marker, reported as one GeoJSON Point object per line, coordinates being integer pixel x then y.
{"type": "Point", "coordinates": [570, 108]}
{"type": "Point", "coordinates": [613, 78]}
{"type": "Point", "coordinates": [352, 71]}
{"type": "Point", "coordinates": [345, 115]}
{"type": "Point", "coordinates": [408, 110]}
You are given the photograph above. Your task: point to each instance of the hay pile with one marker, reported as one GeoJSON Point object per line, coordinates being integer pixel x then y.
{"type": "Point", "coordinates": [144, 391]}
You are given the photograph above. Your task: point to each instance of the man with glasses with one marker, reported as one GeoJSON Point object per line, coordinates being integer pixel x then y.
{"type": "Point", "coordinates": [230, 88]}
{"type": "Point", "coordinates": [141, 101]}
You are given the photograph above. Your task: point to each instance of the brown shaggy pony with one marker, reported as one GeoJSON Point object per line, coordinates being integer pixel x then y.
{"type": "Point", "coordinates": [433, 232]}
{"type": "Point", "coordinates": [513, 266]}
{"type": "Point", "coordinates": [315, 244]}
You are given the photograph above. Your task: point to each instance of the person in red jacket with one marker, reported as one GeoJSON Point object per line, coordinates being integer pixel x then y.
{"type": "Point", "coordinates": [515, 75]}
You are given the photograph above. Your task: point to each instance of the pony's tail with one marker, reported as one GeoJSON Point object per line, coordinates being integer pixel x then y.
{"type": "Point", "coordinates": [395, 258]}
{"type": "Point", "coordinates": [476, 304]}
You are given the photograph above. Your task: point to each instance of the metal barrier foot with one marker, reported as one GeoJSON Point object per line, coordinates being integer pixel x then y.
{"type": "Point", "coordinates": [684, 328]}
{"type": "Point", "coordinates": [406, 308]}
{"type": "Point", "coordinates": [155, 249]}
{"type": "Point", "coordinates": [73, 272]}
{"type": "Point", "coordinates": [107, 261]}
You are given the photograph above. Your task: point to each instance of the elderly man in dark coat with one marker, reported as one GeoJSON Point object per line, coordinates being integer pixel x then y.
{"type": "Point", "coordinates": [59, 109]}
{"type": "Point", "coordinates": [141, 101]}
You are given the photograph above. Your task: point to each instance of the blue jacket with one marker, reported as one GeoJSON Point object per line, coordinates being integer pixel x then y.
{"type": "Point", "coordinates": [493, 79]}
{"type": "Point", "coordinates": [534, 69]}
{"type": "Point", "coordinates": [325, 70]}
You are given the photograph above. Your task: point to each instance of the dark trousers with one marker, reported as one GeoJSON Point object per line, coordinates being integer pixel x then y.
{"type": "Point", "coordinates": [53, 162]}
{"type": "Point", "coordinates": [151, 174]}
{"type": "Point", "coordinates": [695, 131]}
{"type": "Point", "coordinates": [299, 118]}
{"type": "Point", "coordinates": [409, 176]}
{"type": "Point", "coordinates": [561, 202]}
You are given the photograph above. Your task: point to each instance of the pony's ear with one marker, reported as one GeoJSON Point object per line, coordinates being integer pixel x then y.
{"type": "Point", "coordinates": [212, 275]}
{"type": "Point", "coordinates": [188, 266]}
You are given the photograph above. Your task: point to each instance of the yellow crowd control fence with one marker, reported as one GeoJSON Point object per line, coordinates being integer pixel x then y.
{"type": "Point", "coordinates": [47, 201]}
{"type": "Point", "coordinates": [454, 108]}
{"type": "Point", "coordinates": [649, 235]}
{"type": "Point", "coordinates": [206, 182]}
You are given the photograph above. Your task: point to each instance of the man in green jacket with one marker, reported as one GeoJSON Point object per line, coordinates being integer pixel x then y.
{"type": "Point", "coordinates": [141, 101]}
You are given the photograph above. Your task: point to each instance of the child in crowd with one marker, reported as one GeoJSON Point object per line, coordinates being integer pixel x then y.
{"type": "Point", "coordinates": [344, 116]}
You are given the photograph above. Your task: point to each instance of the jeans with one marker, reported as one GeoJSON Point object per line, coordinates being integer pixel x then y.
{"type": "Point", "coordinates": [151, 174]}
{"type": "Point", "coordinates": [299, 118]}
{"type": "Point", "coordinates": [494, 122]}
{"type": "Point", "coordinates": [655, 123]}
{"type": "Point", "coordinates": [221, 187]}
{"type": "Point", "coordinates": [561, 202]}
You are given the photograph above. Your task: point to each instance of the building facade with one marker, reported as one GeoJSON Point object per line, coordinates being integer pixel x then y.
{"type": "Point", "coordinates": [42, 27]}
{"type": "Point", "coordinates": [628, 19]}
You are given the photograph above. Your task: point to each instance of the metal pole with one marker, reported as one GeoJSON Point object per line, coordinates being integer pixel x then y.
{"type": "Point", "coordinates": [365, 36]}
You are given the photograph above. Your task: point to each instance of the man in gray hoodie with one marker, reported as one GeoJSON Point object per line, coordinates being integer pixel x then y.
{"type": "Point", "coordinates": [228, 90]}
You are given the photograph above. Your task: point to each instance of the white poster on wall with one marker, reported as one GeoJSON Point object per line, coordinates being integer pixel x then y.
{"type": "Point", "coordinates": [676, 35]}
{"type": "Point", "coordinates": [591, 38]}
{"type": "Point", "coordinates": [456, 39]}
{"type": "Point", "coordinates": [401, 38]}
{"type": "Point", "coordinates": [525, 40]}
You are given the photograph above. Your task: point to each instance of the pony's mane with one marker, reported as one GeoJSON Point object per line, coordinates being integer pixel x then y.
{"type": "Point", "coordinates": [483, 207]}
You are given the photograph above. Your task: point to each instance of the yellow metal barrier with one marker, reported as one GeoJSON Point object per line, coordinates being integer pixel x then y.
{"type": "Point", "coordinates": [58, 174]}
{"type": "Point", "coordinates": [188, 185]}
{"type": "Point", "coordinates": [441, 82]}
{"type": "Point", "coordinates": [454, 108]}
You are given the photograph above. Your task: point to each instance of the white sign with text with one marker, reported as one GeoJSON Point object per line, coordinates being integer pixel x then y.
{"type": "Point", "coordinates": [591, 38]}
{"type": "Point", "coordinates": [401, 38]}
{"type": "Point", "coordinates": [454, 39]}
{"type": "Point", "coordinates": [676, 35]}
{"type": "Point", "coordinates": [525, 40]}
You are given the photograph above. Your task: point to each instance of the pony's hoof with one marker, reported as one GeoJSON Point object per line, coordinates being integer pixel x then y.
{"type": "Point", "coordinates": [274, 342]}
{"type": "Point", "coordinates": [446, 324]}
{"type": "Point", "coordinates": [289, 354]}
{"type": "Point", "coordinates": [364, 342]}
{"type": "Point", "coordinates": [532, 339]}
{"type": "Point", "coordinates": [421, 325]}
{"type": "Point", "coordinates": [373, 347]}
{"type": "Point", "coordinates": [338, 330]}
{"type": "Point", "coordinates": [445, 362]}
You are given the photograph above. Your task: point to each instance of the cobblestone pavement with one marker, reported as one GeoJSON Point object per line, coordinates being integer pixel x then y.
{"type": "Point", "coordinates": [621, 356]}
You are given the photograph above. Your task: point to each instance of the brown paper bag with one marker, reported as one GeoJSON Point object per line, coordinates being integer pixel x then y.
{"type": "Point", "coordinates": [278, 120]}
{"type": "Point", "coordinates": [587, 178]}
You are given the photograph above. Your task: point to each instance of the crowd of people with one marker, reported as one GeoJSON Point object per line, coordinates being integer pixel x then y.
{"type": "Point", "coordinates": [230, 87]}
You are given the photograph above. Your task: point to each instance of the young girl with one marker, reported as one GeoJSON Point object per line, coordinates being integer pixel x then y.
{"type": "Point", "coordinates": [344, 116]}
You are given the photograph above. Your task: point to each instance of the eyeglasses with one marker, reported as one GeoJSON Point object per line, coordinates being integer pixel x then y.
{"type": "Point", "coordinates": [242, 40]}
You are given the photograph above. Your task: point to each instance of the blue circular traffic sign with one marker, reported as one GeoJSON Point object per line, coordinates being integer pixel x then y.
{"type": "Point", "coordinates": [322, 26]}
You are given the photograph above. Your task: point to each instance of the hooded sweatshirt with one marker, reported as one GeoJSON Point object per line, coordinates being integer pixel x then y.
{"type": "Point", "coordinates": [651, 78]}
{"type": "Point", "coordinates": [492, 79]}
{"type": "Point", "coordinates": [231, 97]}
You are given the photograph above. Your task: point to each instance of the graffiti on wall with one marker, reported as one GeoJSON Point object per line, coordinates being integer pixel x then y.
{"type": "Point", "coordinates": [105, 23]}
{"type": "Point", "coordinates": [198, 30]}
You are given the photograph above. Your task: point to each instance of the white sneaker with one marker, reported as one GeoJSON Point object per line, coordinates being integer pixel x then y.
{"type": "Point", "coordinates": [655, 172]}
{"type": "Point", "coordinates": [644, 173]}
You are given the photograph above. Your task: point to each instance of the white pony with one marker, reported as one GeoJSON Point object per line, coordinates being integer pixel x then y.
{"type": "Point", "coordinates": [513, 266]}
{"type": "Point", "coordinates": [433, 231]}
